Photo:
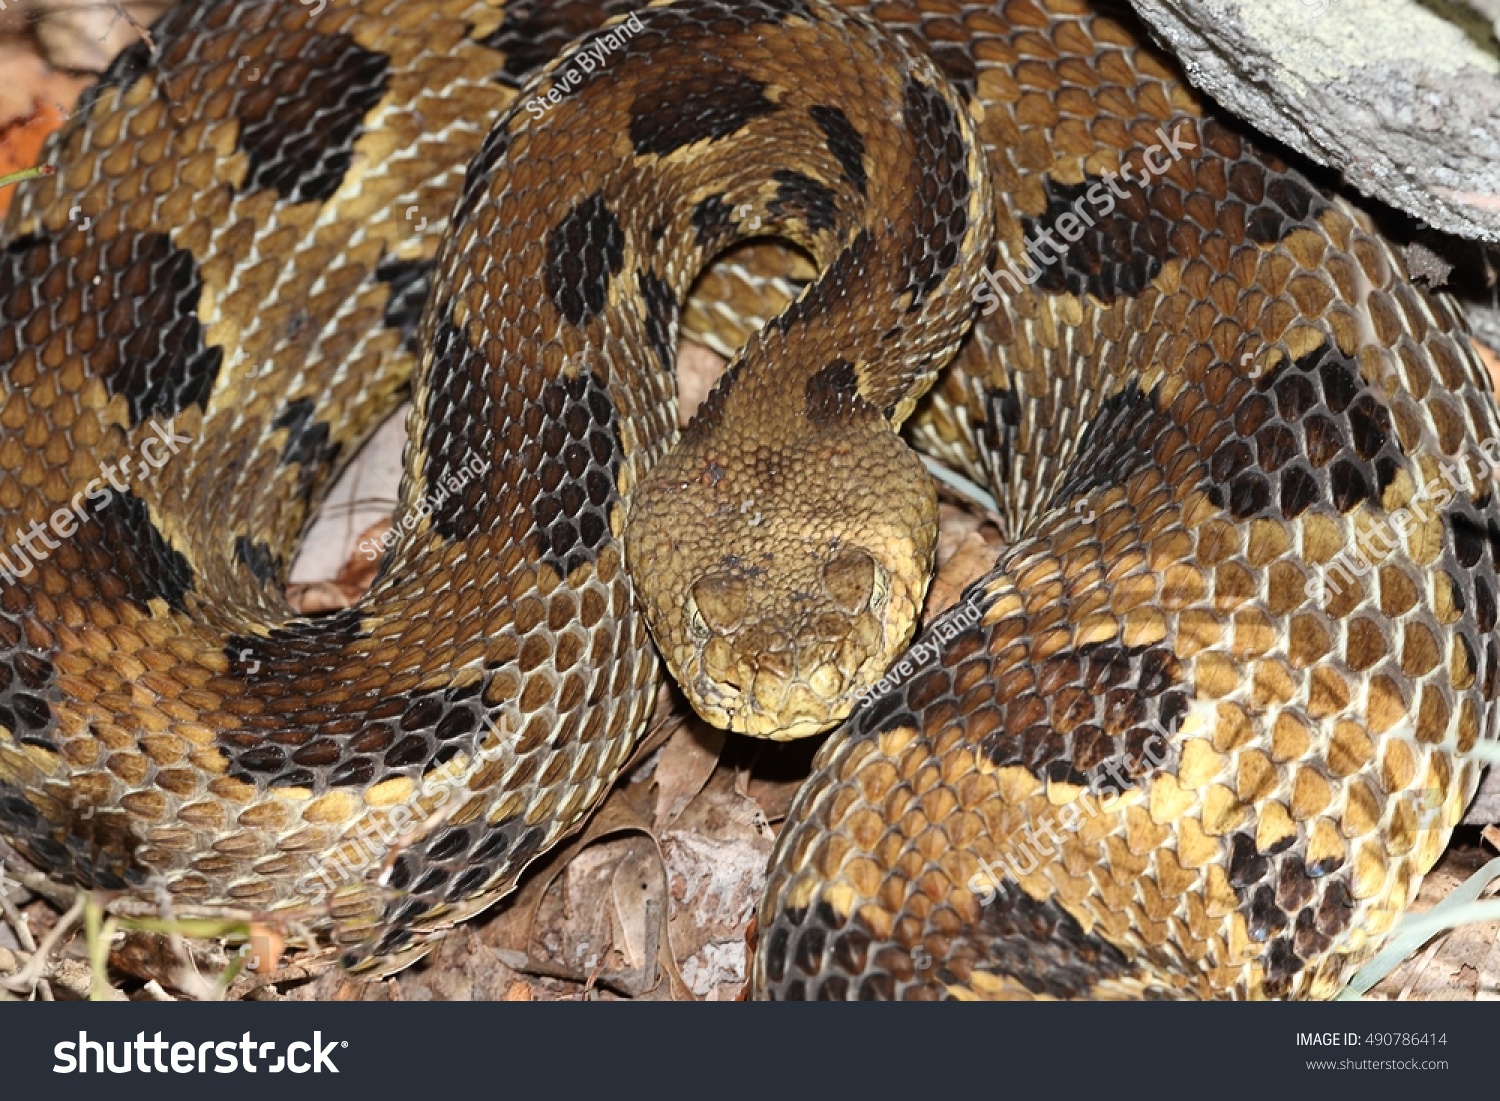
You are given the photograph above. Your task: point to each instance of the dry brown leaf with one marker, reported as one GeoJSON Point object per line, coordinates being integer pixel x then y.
{"type": "Point", "coordinates": [33, 102]}
{"type": "Point", "coordinates": [1460, 965]}
{"type": "Point", "coordinates": [146, 956]}
{"type": "Point", "coordinates": [524, 919]}
{"type": "Point", "coordinates": [84, 35]}
{"type": "Point", "coordinates": [354, 578]}
{"type": "Point", "coordinates": [716, 863]}
{"type": "Point", "coordinates": [955, 524]}
{"type": "Point", "coordinates": [638, 893]}
{"type": "Point", "coordinates": [685, 764]}
{"type": "Point", "coordinates": [971, 560]}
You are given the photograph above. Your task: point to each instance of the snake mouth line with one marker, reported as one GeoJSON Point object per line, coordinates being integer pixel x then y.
{"type": "Point", "coordinates": [736, 709]}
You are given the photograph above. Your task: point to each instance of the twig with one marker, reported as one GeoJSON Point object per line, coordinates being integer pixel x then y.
{"type": "Point", "coordinates": [26, 980]}
{"type": "Point", "coordinates": [121, 11]}
{"type": "Point", "coordinates": [188, 979]}
{"type": "Point", "coordinates": [38, 884]}
{"type": "Point", "coordinates": [310, 967]}
{"type": "Point", "coordinates": [17, 921]}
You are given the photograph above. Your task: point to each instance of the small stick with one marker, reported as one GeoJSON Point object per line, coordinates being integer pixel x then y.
{"type": "Point", "coordinates": [26, 980]}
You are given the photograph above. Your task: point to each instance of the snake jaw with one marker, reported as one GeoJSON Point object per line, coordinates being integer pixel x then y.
{"type": "Point", "coordinates": [766, 674]}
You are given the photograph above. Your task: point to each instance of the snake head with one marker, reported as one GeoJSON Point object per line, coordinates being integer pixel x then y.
{"type": "Point", "coordinates": [780, 579]}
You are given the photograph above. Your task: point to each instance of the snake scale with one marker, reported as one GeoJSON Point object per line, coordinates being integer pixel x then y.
{"type": "Point", "coordinates": [1190, 737]}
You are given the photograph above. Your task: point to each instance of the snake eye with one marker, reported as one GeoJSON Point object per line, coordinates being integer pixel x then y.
{"type": "Point", "coordinates": [697, 625]}
{"type": "Point", "coordinates": [880, 596]}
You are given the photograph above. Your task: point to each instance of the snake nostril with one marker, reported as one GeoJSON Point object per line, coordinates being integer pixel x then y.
{"type": "Point", "coordinates": [850, 580]}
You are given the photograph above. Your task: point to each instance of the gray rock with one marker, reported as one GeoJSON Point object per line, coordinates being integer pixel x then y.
{"type": "Point", "coordinates": [1403, 102]}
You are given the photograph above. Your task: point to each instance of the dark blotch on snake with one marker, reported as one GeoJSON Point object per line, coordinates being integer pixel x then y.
{"type": "Point", "coordinates": [584, 251]}
{"type": "Point", "coordinates": [832, 395]}
{"type": "Point", "coordinates": [661, 317]}
{"type": "Point", "coordinates": [710, 412]}
{"type": "Point", "coordinates": [707, 104]}
{"type": "Point", "coordinates": [819, 954]}
{"type": "Point", "coordinates": [1476, 551]}
{"type": "Point", "coordinates": [1115, 255]}
{"type": "Point", "coordinates": [801, 196]}
{"type": "Point", "coordinates": [454, 423]}
{"type": "Point", "coordinates": [823, 294]}
{"type": "Point", "coordinates": [26, 687]}
{"type": "Point", "coordinates": [579, 460]}
{"type": "Point", "coordinates": [1116, 444]}
{"type": "Point", "coordinates": [77, 859]}
{"type": "Point", "coordinates": [1001, 431]}
{"type": "Point", "coordinates": [955, 62]}
{"type": "Point", "coordinates": [535, 31]}
{"type": "Point", "coordinates": [307, 645]}
{"type": "Point", "coordinates": [1042, 947]}
{"type": "Point", "coordinates": [408, 282]}
{"type": "Point", "coordinates": [844, 142]}
{"type": "Point", "coordinates": [142, 329]}
{"type": "Point", "coordinates": [299, 123]}
{"type": "Point", "coordinates": [309, 444]}
{"type": "Point", "coordinates": [776, 11]}
{"type": "Point", "coordinates": [1290, 202]}
{"type": "Point", "coordinates": [307, 439]}
{"type": "Point", "coordinates": [511, 843]}
{"type": "Point", "coordinates": [1111, 735]}
{"type": "Point", "coordinates": [713, 221]}
{"type": "Point", "coordinates": [1311, 432]}
{"type": "Point", "coordinates": [257, 558]}
{"type": "Point", "coordinates": [146, 565]}
{"type": "Point", "coordinates": [942, 214]}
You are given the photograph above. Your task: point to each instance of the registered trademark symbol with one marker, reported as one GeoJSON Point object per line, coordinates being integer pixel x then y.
{"type": "Point", "coordinates": [343, 1043]}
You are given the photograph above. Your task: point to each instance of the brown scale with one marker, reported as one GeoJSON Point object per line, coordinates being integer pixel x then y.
{"type": "Point", "coordinates": [265, 235]}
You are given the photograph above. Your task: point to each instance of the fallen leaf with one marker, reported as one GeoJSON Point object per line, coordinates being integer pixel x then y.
{"type": "Point", "coordinates": [685, 764]}
{"type": "Point", "coordinates": [21, 139]}
{"type": "Point", "coordinates": [715, 858]}
{"type": "Point", "coordinates": [638, 890]}
{"type": "Point", "coordinates": [971, 560]}
{"type": "Point", "coordinates": [84, 37]}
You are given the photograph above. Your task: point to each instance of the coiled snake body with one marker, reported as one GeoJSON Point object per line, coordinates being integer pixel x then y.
{"type": "Point", "coordinates": [1199, 733]}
